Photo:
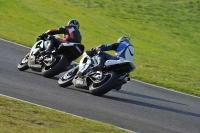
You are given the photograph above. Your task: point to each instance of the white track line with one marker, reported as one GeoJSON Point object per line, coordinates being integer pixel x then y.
{"type": "Point", "coordinates": [62, 112]}
{"type": "Point", "coordinates": [52, 108]}
{"type": "Point", "coordinates": [14, 43]}
{"type": "Point", "coordinates": [165, 88]}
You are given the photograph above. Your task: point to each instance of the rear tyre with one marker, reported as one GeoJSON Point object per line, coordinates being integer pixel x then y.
{"type": "Point", "coordinates": [57, 67]}
{"type": "Point", "coordinates": [23, 65]}
{"type": "Point", "coordinates": [66, 79]}
{"type": "Point", "coordinates": [103, 86]}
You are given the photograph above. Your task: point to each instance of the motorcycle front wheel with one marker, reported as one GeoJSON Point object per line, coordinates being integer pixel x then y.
{"type": "Point", "coordinates": [101, 87]}
{"type": "Point", "coordinates": [66, 79]}
{"type": "Point", "coordinates": [23, 65]}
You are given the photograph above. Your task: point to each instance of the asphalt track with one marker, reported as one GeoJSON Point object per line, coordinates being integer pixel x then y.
{"type": "Point", "coordinates": [137, 107]}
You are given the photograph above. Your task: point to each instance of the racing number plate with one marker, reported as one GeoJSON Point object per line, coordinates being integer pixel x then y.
{"type": "Point", "coordinates": [79, 81]}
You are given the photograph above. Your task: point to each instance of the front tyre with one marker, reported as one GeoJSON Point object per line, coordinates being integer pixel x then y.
{"type": "Point", "coordinates": [23, 65]}
{"type": "Point", "coordinates": [103, 86]}
{"type": "Point", "coordinates": [66, 79]}
{"type": "Point", "coordinates": [57, 67]}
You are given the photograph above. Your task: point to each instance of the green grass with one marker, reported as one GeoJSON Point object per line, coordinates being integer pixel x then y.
{"type": "Point", "coordinates": [20, 117]}
{"type": "Point", "coordinates": [165, 33]}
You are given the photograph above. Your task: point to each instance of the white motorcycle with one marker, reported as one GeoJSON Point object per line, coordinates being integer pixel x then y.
{"type": "Point", "coordinates": [57, 62]}
{"type": "Point", "coordinates": [113, 75]}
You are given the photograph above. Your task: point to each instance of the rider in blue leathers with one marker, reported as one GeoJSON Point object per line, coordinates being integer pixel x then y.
{"type": "Point", "coordinates": [124, 50]}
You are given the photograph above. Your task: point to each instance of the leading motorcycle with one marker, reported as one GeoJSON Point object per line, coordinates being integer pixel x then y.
{"type": "Point", "coordinates": [53, 64]}
{"type": "Point", "coordinates": [114, 74]}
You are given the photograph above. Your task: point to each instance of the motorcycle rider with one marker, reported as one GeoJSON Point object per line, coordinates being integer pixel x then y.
{"type": "Point", "coordinates": [123, 50]}
{"type": "Point", "coordinates": [70, 33]}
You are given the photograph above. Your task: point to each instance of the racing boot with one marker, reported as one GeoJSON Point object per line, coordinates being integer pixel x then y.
{"type": "Point", "coordinates": [100, 65]}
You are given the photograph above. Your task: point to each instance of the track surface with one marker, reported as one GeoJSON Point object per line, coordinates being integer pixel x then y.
{"type": "Point", "coordinates": [138, 106]}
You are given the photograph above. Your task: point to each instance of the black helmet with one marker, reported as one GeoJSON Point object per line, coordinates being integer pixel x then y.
{"type": "Point", "coordinates": [74, 23]}
{"type": "Point", "coordinates": [124, 39]}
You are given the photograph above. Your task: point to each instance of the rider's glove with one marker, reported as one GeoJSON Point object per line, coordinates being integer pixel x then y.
{"type": "Point", "coordinates": [43, 36]}
{"type": "Point", "coordinates": [93, 50]}
{"type": "Point", "coordinates": [96, 50]}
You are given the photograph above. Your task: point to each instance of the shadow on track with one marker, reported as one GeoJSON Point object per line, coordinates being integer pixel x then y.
{"type": "Point", "coordinates": [147, 97]}
{"type": "Point", "coordinates": [77, 89]}
{"type": "Point", "coordinates": [40, 74]}
{"type": "Point", "coordinates": [57, 78]}
{"type": "Point", "coordinates": [151, 106]}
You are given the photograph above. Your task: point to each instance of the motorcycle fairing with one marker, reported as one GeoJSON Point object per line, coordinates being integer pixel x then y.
{"type": "Point", "coordinates": [72, 50]}
{"type": "Point", "coordinates": [80, 82]}
{"type": "Point", "coordinates": [114, 62]}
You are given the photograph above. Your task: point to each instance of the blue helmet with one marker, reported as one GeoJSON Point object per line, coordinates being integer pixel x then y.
{"type": "Point", "coordinates": [124, 39]}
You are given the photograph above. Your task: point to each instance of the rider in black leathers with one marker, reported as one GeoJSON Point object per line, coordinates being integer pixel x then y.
{"type": "Point", "coordinates": [70, 33]}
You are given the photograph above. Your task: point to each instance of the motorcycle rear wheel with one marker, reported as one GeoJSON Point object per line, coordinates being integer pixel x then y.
{"type": "Point", "coordinates": [57, 67]}
{"type": "Point", "coordinates": [100, 88]}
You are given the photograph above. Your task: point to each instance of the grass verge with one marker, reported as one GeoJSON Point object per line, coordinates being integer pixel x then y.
{"type": "Point", "coordinates": [19, 117]}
